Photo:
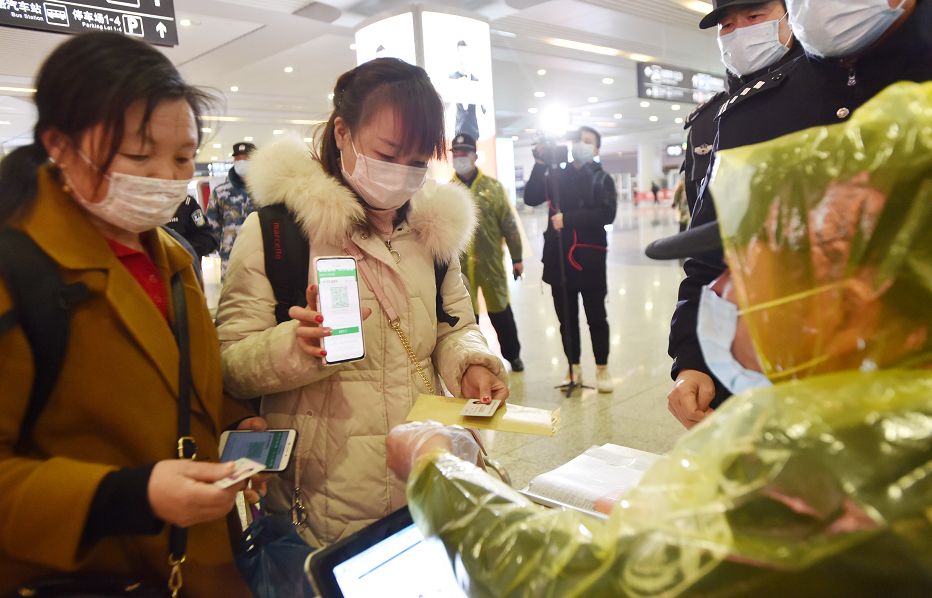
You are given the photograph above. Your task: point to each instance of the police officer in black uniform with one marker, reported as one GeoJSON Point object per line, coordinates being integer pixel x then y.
{"type": "Point", "coordinates": [189, 222]}
{"type": "Point", "coordinates": [702, 128]}
{"type": "Point", "coordinates": [816, 89]}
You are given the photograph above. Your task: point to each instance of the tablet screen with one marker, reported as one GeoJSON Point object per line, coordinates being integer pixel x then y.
{"type": "Point", "coordinates": [402, 565]}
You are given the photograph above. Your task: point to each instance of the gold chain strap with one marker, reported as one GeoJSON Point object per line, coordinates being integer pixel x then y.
{"type": "Point", "coordinates": [412, 356]}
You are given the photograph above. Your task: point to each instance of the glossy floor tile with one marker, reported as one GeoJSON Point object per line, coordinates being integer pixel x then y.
{"type": "Point", "coordinates": [641, 298]}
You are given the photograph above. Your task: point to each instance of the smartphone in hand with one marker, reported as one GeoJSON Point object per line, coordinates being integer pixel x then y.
{"type": "Point", "coordinates": [272, 448]}
{"type": "Point", "coordinates": [338, 302]}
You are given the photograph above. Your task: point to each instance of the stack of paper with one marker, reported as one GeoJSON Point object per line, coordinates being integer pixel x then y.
{"type": "Point", "coordinates": [600, 471]}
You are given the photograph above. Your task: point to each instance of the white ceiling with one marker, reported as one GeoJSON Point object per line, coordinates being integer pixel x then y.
{"type": "Point", "coordinates": [248, 44]}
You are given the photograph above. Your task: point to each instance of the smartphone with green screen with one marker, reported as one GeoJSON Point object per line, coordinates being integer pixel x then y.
{"type": "Point", "coordinates": [338, 302]}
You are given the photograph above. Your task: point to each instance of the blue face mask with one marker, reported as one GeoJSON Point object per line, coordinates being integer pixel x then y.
{"type": "Point", "coordinates": [716, 327]}
{"type": "Point", "coordinates": [840, 28]}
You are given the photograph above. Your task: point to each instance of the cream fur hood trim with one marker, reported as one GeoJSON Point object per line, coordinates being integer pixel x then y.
{"type": "Point", "coordinates": [442, 215]}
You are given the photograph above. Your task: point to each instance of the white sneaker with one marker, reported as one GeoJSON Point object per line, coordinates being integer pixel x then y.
{"type": "Point", "coordinates": [577, 376]}
{"type": "Point", "coordinates": [603, 379]}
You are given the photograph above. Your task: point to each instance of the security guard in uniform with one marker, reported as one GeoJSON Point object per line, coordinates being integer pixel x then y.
{"type": "Point", "coordinates": [854, 49]}
{"type": "Point", "coordinates": [189, 222]}
{"type": "Point", "coordinates": [746, 60]}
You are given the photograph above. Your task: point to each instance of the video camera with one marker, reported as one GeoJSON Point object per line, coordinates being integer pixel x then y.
{"type": "Point", "coordinates": [548, 152]}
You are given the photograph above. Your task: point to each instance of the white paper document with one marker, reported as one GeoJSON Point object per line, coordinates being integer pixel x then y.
{"type": "Point", "coordinates": [599, 471]}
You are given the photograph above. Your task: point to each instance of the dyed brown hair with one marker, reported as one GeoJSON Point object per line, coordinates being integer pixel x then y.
{"type": "Point", "coordinates": [360, 93]}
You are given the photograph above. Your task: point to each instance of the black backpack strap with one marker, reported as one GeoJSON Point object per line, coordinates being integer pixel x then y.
{"type": "Point", "coordinates": [42, 305]}
{"type": "Point", "coordinates": [287, 258]}
{"type": "Point", "coordinates": [440, 273]}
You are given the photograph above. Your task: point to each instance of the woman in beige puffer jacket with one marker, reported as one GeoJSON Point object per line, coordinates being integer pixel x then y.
{"type": "Point", "coordinates": [344, 412]}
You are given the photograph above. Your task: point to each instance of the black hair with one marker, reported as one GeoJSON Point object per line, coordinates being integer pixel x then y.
{"type": "Point", "coordinates": [92, 79]}
{"type": "Point", "coordinates": [598, 136]}
{"type": "Point", "coordinates": [361, 92]}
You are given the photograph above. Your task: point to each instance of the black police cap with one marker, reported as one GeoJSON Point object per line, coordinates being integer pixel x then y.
{"type": "Point", "coordinates": [694, 242]}
{"type": "Point", "coordinates": [464, 141]}
{"type": "Point", "coordinates": [719, 7]}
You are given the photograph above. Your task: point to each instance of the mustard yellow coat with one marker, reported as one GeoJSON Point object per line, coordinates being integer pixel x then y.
{"type": "Point", "coordinates": [114, 406]}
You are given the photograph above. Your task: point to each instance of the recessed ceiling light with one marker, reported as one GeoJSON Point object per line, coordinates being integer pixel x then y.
{"type": "Point", "coordinates": [532, 110]}
{"type": "Point", "coordinates": [234, 88]}
{"type": "Point", "coordinates": [675, 107]}
{"type": "Point", "coordinates": [5, 122]}
{"type": "Point", "coordinates": [573, 45]}
{"type": "Point", "coordinates": [308, 140]}
{"type": "Point", "coordinates": [248, 139]}
{"type": "Point", "coordinates": [217, 146]}
{"type": "Point", "coordinates": [330, 96]}
{"type": "Point", "coordinates": [289, 69]}
{"type": "Point", "coordinates": [214, 158]}
{"type": "Point", "coordinates": [678, 120]}
{"type": "Point", "coordinates": [541, 72]}
{"type": "Point", "coordinates": [197, 151]}
{"type": "Point", "coordinates": [608, 81]}
{"type": "Point", "coordinates": [185, 22]}
{"type": "Point", "coordinates": [514, 137]}
{"type": "Point", "coordinates": [539, 94]}
{"type": "Point", "coordinates": [352, 46]}
{"type": "Point", "coordinates": [699, 6]}
{"type": "Point", "coordinates": [593, 99]}
{"type": "Point", "coordinates": [653, 119]}
{"type": "Point", "coordinates": [586, 114]}
{"type": "Point", "coordinates": [618, 115]}
{"type": "Point", "coordinates": [645, 104]}
{"type": "Point", "coordinates": [277, 132]}
{"type": "Point", "coordinates": [206, 130]}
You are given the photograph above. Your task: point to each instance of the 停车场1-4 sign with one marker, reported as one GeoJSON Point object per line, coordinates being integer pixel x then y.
{"type": "Point", "coordinates": [149, 20]}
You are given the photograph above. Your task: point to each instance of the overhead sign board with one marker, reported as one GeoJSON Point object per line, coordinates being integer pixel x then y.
{"type": "Point", "coordinates": [149, 20]}
{"type": "Point", "coordinates": [675, 84]}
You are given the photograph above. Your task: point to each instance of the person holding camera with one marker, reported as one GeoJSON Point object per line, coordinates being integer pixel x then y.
{"type": "Point", "coordinates": [582, 201]}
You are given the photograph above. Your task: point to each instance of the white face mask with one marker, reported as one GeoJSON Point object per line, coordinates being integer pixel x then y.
{"type": "Point", "coordinates": [383, 185]}
{"type": "Point", "coordinates": [241, 167]}
{"type": "Point", "coordinates": [750, 49]}
{"type": "Point", "coordinates": [135, 203]}
{"type": "Point", "coordinates": [716, 326]}
{"type": "Point", "coordinates": [836, 28]}
{"type": "Point", "coordinates": [463, 165]}
{"type": "Point", "coordinates": [583, 152]}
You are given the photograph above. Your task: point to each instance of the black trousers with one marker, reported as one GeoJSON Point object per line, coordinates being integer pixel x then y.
{"type": "Point", "coordinates": [596, 316]}
{"type": "Point", "coordinates": [504, 324]}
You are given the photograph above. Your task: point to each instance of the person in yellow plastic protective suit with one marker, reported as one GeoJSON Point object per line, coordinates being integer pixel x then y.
{"type": "Point", "coordinates": [820, 485]}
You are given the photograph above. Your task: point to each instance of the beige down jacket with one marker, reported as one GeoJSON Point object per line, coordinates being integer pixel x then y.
{"type": "Point", "coordinates": [343, 413]}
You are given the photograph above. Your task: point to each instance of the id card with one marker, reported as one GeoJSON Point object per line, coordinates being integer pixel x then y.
{"type": "Point", "coordinates": [245, 469]}
{"type": "Point", "coordinates": [476, 408]}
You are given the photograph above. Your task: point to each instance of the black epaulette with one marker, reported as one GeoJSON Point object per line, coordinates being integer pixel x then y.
{"type": "Point", "coordinates": [759, 85]}
{"type": "Point", "coordinates": [703, 107]}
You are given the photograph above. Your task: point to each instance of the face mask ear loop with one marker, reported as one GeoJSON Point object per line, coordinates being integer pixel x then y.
{"type": "Point", "coordinates": [786, 16]}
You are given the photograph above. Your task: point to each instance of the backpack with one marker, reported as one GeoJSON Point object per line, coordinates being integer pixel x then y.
{"type": "Point", "coordinates": [42, 306]}
{"type": "Point", "coordinates": [287, 263]}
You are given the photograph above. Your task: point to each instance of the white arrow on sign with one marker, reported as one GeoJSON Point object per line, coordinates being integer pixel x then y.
{"type": "Point", "coordinates": [162, 29]}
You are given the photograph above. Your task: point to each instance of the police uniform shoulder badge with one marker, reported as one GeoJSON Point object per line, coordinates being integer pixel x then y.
{"type": "Point", "coordinates": [198, 217]}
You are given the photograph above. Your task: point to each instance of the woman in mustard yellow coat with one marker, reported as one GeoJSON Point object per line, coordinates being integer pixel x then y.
{"type": "Point", "coordinates": [96, 483]}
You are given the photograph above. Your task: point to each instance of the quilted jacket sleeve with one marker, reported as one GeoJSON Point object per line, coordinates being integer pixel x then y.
{"type": "Point", "coordinates": [463, 345]}
{"type": "Point", "coordinates": [259, 356]}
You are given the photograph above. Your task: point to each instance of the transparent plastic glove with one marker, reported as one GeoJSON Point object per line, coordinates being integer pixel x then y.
{"type": "Point", "coordinates": [408, 442]}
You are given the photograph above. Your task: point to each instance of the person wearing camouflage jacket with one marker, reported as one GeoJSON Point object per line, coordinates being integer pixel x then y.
{"type": "Point", "coordinates": [483, 262]}
{"type": "Point", "coordinates": [230, 203]}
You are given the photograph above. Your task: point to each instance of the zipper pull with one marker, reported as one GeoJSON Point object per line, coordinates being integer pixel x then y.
{"type": "Point", "coordinates": [852, 77]}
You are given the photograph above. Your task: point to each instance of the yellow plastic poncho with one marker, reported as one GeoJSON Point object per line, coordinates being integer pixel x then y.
{"type": "Point", "coordinates": [820, 486]}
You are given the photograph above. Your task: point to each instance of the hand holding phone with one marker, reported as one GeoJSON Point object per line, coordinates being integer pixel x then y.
{"type": "Point", "coordinates": [340, 308]}
{"type": "Point", "coordinates": [271, 448]}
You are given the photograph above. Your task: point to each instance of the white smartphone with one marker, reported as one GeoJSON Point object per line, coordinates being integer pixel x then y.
{"type": "Point", "coordinates": [338, 302]}
{"type": "Point", "coordinates": [272, 447]}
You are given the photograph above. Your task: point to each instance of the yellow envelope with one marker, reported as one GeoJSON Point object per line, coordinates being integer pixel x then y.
{"type": "Point", "coordinates": [508, 418]}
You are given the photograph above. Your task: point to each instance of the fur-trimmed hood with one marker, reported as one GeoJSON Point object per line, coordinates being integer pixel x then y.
{"type": "Point", "coordinates": [443, 216]}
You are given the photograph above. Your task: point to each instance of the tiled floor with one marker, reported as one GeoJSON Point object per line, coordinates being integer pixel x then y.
{"type": "Point", "coordinates": [641, 298]}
